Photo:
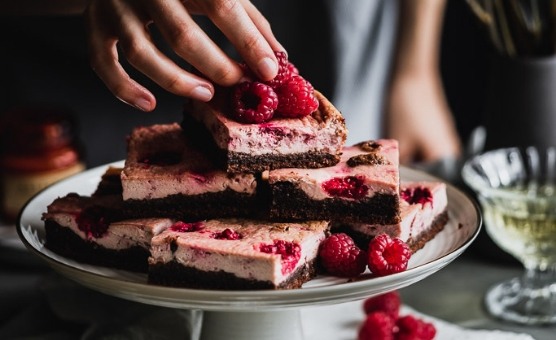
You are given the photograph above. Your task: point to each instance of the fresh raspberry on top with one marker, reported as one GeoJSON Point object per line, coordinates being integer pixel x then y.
{"type": "Point", "coordinates": [341, 257]}
{"type": "Point", "coordinates": [253, 102]}
{"type": "Point", "coordinates": [377, 326]}
{"type": "Point", "coordinates": [387, 256]}
{"type": "Point", "coordinates": [284, 70]}
{"type": "Point", "coordinates": [388, 303]}
{"type": "Point", "coordinates": [412, 328]}
{"type": "Point", "coordinates": [293, 70]}
{"type": "Point", "coordinates": [296, 98]}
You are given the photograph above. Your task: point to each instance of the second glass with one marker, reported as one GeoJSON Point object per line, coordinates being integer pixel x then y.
{"type": "Point", "coordinates": [516, 188]}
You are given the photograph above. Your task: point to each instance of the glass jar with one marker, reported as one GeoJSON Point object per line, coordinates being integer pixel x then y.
{"type": "Point", "coordinates": [37, 148]}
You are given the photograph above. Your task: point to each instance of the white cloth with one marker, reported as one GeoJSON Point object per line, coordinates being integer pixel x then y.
{"type": "Point", "coordinates": [342, 321]}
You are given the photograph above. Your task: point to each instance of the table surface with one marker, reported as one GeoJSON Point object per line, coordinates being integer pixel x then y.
{"type": "Point", "coordinates": [32, 295]}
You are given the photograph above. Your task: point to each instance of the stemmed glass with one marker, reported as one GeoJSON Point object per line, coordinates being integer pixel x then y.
{"type": "Point", "coordinates": [516, 188]}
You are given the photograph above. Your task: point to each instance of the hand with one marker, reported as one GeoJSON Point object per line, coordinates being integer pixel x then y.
{"type": "Point", "coordinates": [420, 119]}
{"type": "Point", "coordinates": [123, 25]}
{"type": "Point", "coordinates": [418, 115]}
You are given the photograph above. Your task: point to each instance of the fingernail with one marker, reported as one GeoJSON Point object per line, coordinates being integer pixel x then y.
{"type": "Point", "coordinates": [202, 93]}
{"type": "Point", "coordinates": [143, 104]}
{"type": "Point", "coordinates": [267, 68]}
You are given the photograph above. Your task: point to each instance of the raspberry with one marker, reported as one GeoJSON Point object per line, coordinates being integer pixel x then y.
{"type": "Point", "coordinates": [341, 257]}
{"type": "Point", "coordinates": [296, 98]}
{"type": "Point", "coordinates": [92, 222]}
{"type": "Point", "coordinates": [388, 303]}
{"type": "Point", "coordinates": [290, 253]}
{"type": "Point", "coordinates": [387, 255]}
{"type": "Point", "coordinates": [412, 328]}
{"type": "Point", "coordinates": [183, 227]}
{"type": "Point", "coordinates": [227, 234]}
{"type": "Point", "coordinates": [377, 326]}
{"type": "Point", "coordinates": [292, 69]}
{"type": "Point", "coordinates": [416, 195]}
{"type": "Point", "coordinates": [284, 71]}
{"type": "Point", "coordinates": [253, 102]}
{"type": "Point", "coordinates": [347, 187]}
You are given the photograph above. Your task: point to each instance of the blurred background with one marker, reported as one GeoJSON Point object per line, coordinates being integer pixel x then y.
{"type": "Point", "coordinates": [44, 64]}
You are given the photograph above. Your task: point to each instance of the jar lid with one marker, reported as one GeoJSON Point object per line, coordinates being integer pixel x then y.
{"type": "Point", "coordinates": [34, 130]}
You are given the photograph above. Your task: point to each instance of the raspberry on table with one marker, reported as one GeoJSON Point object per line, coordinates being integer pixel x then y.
{"type": "Point", "coordinates": [388, 303]}
{"type": "Point", "coordinates": [412, 328]}
{"type": "Point", "coordinates": [341, 257]}
{"type": "Point", "coordinates": [296, 98]}
{"type": "Point", "coordinates": [387, 255]}
{"type": "Point", "coordinates": [253, 102]}
{"type": "Point", "coordinates": [377, 326]}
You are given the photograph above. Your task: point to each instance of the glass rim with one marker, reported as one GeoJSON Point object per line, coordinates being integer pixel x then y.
{"type": "Point", "coordinates": [473, 179]}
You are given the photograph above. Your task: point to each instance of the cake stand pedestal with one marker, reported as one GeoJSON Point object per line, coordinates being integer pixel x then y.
{"type": "Point", "coordinates": [268, 325]}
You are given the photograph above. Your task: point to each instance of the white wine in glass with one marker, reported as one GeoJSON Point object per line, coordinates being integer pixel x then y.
{"type": "Point", "coordinates": [516, 188]}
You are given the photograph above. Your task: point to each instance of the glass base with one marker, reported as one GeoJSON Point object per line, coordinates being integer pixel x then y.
{"type": "Point", "coordinates": [513, 301]}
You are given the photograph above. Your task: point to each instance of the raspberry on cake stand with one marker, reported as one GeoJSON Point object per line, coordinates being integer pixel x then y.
{"type": "Point", "coordinates": [251, 314]}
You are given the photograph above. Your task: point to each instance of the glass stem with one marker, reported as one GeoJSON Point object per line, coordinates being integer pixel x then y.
{"type": "Point", "coordinates": [539, 284]}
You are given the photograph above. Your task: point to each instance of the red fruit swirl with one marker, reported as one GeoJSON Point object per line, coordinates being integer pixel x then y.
{"type": "Point", "coordinates": [183, 227]}
{"type": "Point", "coordinates": [290, 253]}
{"type": "Point", "coordinates": [347, 187]}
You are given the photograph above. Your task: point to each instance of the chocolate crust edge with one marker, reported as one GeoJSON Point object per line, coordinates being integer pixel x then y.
{"type": "Point", "coordinates": [63, 241]}
{"type": "Point", "coordinates": [174, 274]}
{"type": "Point", "coordinates": [241, 162]}
{"type": "Point", "coordinates": [223, 204]}
{"type": "Point", "coordinates": [362, 240]}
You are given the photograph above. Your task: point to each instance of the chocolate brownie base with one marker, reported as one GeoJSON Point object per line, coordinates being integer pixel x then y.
{"type": "Point", "coordinates": [222, 204]}
{"type": "Point", "coordinates": [241, 162]}
{"type": "Point", "coordinates": [176, 275]}
{"type": "Point", "coordinates": [66, 243]}
{"type": "Point", "coordinates": [110, 183]}
{"type": "Point", "coordinates": [362, 240]}
{"type": "Point", "coordinates": [289, 202]}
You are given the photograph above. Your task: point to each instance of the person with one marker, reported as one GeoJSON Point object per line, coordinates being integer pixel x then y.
{"type": "Point", "coordinates": [384, 75]}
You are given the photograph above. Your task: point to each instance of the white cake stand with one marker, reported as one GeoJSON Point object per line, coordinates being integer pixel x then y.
{"type": "Point", "coordinates": [249, 314]}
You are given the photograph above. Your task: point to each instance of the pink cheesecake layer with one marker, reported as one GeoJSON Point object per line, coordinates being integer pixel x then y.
{"type": "Point", "coordinates": [161, 162]}
{"type": "Point", "coordinates": [374, 164]}
{"type": "Point", "coordinates": [423, 206]}
{"type": "Point", "coordinates": [248, 250]}
{"type": "Point", "coordinates": [84, 217]}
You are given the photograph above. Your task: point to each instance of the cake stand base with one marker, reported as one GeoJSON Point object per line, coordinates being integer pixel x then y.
{"type": "Point", "coordinates": [271, 325]}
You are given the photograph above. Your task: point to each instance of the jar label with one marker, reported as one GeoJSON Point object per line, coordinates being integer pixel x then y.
{"type": "Point", "coordinates": [17, 189]}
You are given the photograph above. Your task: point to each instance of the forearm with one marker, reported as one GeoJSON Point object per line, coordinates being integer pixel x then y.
{"type": "Point", "coordinates": [418, 113]}
{"type": "Point", "coordinates": [419, 34]}
{"type": "Point", "coordinates": [42, 7]}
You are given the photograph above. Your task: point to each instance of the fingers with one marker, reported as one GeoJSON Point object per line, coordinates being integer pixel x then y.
{"type": "Point", "coordinates": [103, 57]}
{"type": "Point", "coordinates": [191, 43]}
{"type": "Point", "coordinates": [122, 25]}
{"type": "Point", "coordinates": [142, 54]}
{"type": "Point", "coordinates": [105, 64]}
{"type": "Point", "coordinates": [127, 29]}
{"type": "Point", "coordinates": [248, 31]}
{"type": "Point", "coordinates": [263, 25]}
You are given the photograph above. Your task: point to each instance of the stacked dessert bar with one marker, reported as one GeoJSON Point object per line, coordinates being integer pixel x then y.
{"type": "Point", "coordinates": [216, 203]}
